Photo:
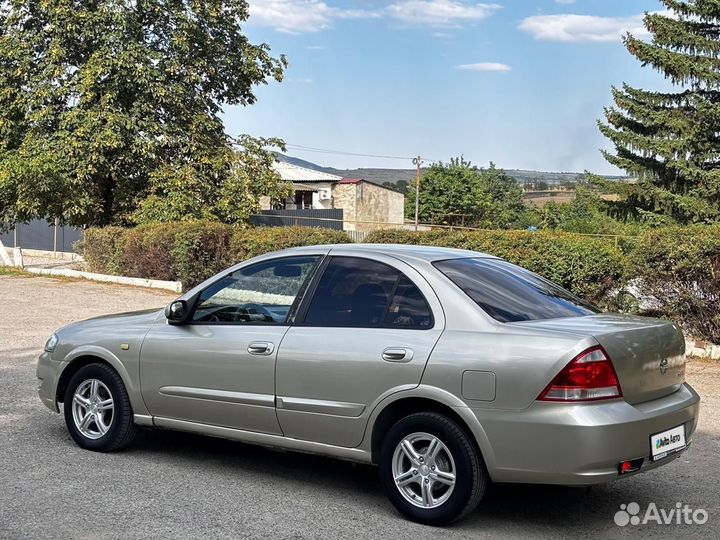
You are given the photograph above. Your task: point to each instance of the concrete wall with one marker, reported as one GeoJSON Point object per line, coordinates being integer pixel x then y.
{"type": "Point", "coordinates": [324, 203]}
{"type": "Point", "coordinates": [344, 197]}
{"type": "Point", "coordinates": [265, 203]}
{"type": "Point", "coordinates": [366, 202]}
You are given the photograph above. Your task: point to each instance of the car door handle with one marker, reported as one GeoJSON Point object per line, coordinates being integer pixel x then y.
{"type": "Point", "coordinates": [393, 354]}
{"type": "Point", "coordinates": [262, 348]}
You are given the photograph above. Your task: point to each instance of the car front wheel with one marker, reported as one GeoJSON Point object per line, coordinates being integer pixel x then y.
{"type": "Point", "coordinates": [97, 409]}
{"type": "Point", "coordinates": [431, 470]}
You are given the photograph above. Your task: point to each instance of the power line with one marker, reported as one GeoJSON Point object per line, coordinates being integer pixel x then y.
{"type": "Point", "coordinates": [304, 148]}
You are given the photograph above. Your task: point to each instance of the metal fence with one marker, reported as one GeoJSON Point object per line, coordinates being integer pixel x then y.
{"type": "Point", "coordinates": [39, 234]}
{"type": "Point", "coordinates": [331, 218]}
{"type": "Point", "coordinates": [357, 236]}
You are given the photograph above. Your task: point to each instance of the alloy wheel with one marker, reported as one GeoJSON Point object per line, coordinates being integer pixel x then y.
{"type": "Point", "coordinates": [93, 408]}
{"type": "Point", "coordinates": [424, 470]}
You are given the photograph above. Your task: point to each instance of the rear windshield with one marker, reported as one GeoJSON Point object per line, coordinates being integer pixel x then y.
{"type": "Point", "coordinates": [509, 293]}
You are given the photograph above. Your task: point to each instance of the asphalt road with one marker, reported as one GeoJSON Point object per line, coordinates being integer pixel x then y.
{"type": "Point", "coordinates": [173, 485]}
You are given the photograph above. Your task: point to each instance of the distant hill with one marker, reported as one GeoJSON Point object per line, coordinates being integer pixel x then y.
{"type": "Point", "coordinates": [400, 177]}
{"type": "Point", "coordinates": [523, 176]}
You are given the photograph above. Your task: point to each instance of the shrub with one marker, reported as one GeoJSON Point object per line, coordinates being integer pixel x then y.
{"type": "Point", "coordinates": [588, 266]}
{"type": "Point", "coordinates": [247, 243]}
{"type": "Point", "coordinates": [679, 268]}
{"type": "Point", "coordinates": [190, 252]}
{"type": "Point", "coordinates": [101, 249]}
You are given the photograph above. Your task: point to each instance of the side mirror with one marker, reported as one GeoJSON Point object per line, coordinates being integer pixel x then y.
{"type": "Point", "coordinates": [177, 312]}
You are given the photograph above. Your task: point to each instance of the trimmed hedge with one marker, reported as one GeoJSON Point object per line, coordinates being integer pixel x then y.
{"type": "Point", "coordinates": [588, 266]}
{"type": "Point", "coordinates": [190, 252]}
{"type": "Point", "coordinates": [248, 243]}
{"type": "Point", "coordinates": [676, 269]}
{"type": "Point", "coordinates": [679, 269]}
{"type": "Point", "coordinates": [101, 249]}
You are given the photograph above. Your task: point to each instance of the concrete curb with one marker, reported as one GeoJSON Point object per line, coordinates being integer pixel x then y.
{"type": "Point", "coordinates": [62, 255]}
{"type": "Point", "coordinates": [703, 349]}
{"type": "Point", "coordinates": [59, 255]}
{"type": "Point", "coordinates": [174, 286]}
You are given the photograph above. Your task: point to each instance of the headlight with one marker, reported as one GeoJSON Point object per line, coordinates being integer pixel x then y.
{"type": "Point", "coordinates": [51, 343]}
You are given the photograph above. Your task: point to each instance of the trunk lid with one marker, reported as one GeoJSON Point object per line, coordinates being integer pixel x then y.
{"type": "Point", "coordinates": [648, 354]}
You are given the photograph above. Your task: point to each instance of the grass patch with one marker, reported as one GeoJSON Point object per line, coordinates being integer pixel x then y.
{"type": "Point", "coordinates": [13, 271]}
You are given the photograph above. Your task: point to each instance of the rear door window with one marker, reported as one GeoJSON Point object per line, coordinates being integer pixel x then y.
{"type": "Point", "coordinates": [509, 293]}
{"type": "Point", "coordinates": [356, 292]}
{"type": "Point", "coordinates": [408, 308]}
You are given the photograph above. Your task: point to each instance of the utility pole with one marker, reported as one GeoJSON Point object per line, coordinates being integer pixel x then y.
{"type": "Point", "coordinates": [417, 162]}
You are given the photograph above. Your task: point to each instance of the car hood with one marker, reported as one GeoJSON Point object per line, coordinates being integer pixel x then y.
{"type": "Point", "coordinates": [144, 317]}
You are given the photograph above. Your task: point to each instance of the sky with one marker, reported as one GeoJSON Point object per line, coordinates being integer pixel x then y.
{"type": "Point", "coordinates": [520, 83]}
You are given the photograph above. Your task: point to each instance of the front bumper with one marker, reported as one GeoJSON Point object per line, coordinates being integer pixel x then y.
{"type": "Point", "coordinates": [560, 443]}
{"type": "Point", "coordinates": [48, 374]}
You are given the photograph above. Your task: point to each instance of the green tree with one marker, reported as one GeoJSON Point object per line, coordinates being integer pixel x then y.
{"type": "Point", "coordinates": [105, 102]}
{"type": "Point", "coordinates": [669, 140]}
{"type": "Point", "coordinates": [585, 214]}
{"type": "Point", "coordinates": [182, 193]}
{"type": "Point", "coordinates": [399, 185]}
{"type": "Point", "coordinates": [458, 193]}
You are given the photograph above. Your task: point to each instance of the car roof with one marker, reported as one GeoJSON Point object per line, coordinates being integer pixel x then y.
{"type": "Point", "coordinates": [404, 251]}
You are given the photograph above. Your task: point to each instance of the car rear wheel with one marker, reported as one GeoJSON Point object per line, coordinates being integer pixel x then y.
{"type": "Point", "coordinates": [431, 470]}
{"type": "Point", "coordinates": [97, 409]}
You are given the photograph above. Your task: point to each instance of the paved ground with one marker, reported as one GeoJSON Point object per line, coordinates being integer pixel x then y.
{"type": "Point", "coordinates": [181, 486]}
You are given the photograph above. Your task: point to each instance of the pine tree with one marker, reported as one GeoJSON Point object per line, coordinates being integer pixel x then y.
{"type": "Point", "coordinates": [670, 141]}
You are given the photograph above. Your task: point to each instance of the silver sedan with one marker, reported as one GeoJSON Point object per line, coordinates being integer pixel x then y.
{"type": "Point", "coordinates": [446, 368]}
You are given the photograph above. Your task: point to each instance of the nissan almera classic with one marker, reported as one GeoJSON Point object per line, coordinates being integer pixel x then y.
{"type": "Point", "coordinates": [446, 368]}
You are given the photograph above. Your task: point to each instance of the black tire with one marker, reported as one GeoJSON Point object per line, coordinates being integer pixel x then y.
{"type": "Point", "coordinates": [122, 429]}
{"type": "Point", "coordinates": [471, 475]}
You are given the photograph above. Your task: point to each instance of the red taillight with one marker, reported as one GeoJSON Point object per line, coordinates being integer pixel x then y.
{"type": "Point", "coordinates": [589, 376]}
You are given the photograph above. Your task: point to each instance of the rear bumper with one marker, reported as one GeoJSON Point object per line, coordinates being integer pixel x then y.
{"type": "Point", "coordinates": [558, 443]}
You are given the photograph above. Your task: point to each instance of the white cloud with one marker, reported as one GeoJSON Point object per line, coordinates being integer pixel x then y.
{"type": "Point", "coordinates": [439, 12]}
{"type": "Point", "coordinates": [484, 66]}
{"type": "Point", "coordinates": [301, 16]}
{"type": "Point", "coordinates": [304, 16]}
{"type": "Point", "coordinates": [564, 1]}
{"type": "Point", "coordinates": [579, 28]}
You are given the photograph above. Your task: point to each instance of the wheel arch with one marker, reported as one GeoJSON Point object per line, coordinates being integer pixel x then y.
{"type": "Point", "coordinates": [83, 356]}
{"type": "Point", "coordinates": [428, 399]}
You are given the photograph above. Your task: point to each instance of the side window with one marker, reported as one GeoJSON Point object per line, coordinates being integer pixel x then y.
{"type": "Point", "coordinates": [408, 307]}
{"type": "Point", "coordinates": [355, 292]}
{"type": "Point", "coordinates": [262, 293]}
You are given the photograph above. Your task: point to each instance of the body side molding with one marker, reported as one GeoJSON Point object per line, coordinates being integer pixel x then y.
{"type": "Point", "coordinates": [245, 398]}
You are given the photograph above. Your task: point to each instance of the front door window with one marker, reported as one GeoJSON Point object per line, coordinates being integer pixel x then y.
{"type": "Point", "coordinates": [262, 293]}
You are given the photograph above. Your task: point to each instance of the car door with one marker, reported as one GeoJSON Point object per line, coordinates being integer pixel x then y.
{"type": "Point", "coordinates": [366, 330]}
{"type": "Point", "coordinates": [219, 368]}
